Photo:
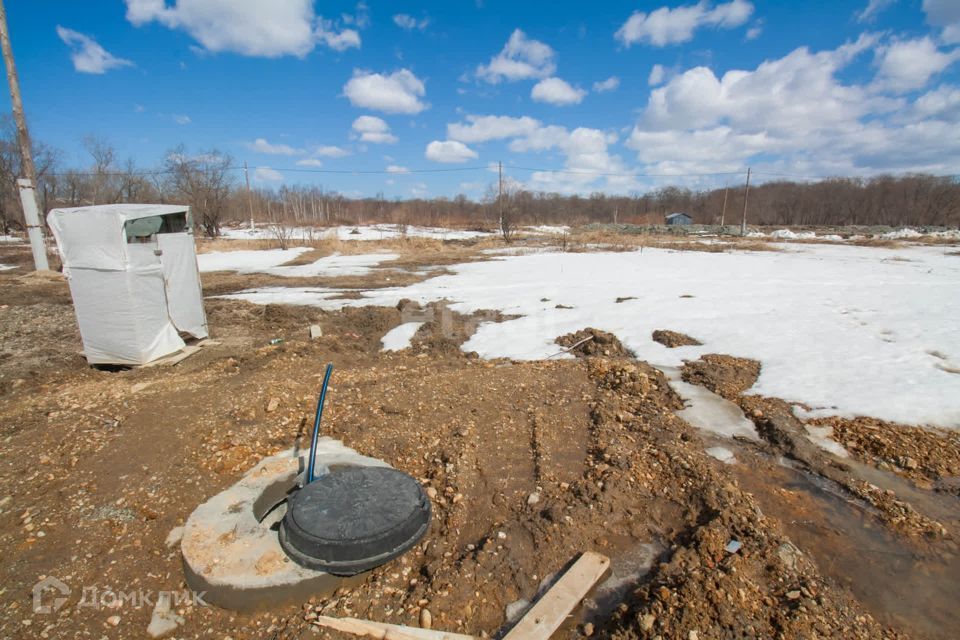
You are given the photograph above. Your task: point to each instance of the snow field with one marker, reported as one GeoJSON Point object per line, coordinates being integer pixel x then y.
{"type": "Point", "coordinates": [844, 330]}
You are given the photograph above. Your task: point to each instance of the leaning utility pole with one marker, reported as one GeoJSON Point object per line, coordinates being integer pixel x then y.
{"type": "Point", "coordinates": [28, 193]}
{"type": "Point", "coordinates": [723, 211]}
{"type": "Point", "coordinates": [500, 193]}
{"type": "Point", "coordinates": [746, 193]}
{"type": "Point", "coordinates": [246, 176]}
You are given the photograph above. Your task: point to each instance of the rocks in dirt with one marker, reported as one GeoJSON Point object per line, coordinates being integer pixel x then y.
{"type": "Point", "coordinates": [533, 498]}
{"type": "Point", "coordinates": [928, 457]}
{"type": "Point", "coordinates": [588, 629]}
{"type": "Point", "coordinates": [726, 376]}
{"type": "Point", "coordinates": [315, 332]}
{"type": "Point", "coordinates": [273, 404]}
{"type": "Point", "coordinates": [788, 555]}
{"type": "Point", "coordinates": [594, 342]}
{"type": "Point", "coordinates": [673, 339]}
{"type": "Point", "coordinates": [426, 619]}
{"type": "Point", "coordinates": [113, 621]}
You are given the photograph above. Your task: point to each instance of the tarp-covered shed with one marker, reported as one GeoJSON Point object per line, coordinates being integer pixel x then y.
{"type": "Point", "coordinates": [133, 276]}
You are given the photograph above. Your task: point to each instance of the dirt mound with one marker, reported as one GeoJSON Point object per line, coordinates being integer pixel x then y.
{"type": "Point", "coordinates": [929, 457]}
{"type": "Point", "coordinates": [674, 339]}
{"type": "Point", "coordinates": [724, 375]}
{"type": "Point", "coordinates": [594, 342]}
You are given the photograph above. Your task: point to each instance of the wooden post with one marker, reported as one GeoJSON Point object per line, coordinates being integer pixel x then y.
{"type": "Point", "coordinates": [723, 211]}
{"type": "Point", "coordinates": [500, 193]}
{"type": "Point", "coordinates": [246, 176]}
{"type": "Point", "coordinates": [27, 186]}
{"type": "Point", "coordinates": [746, 193]}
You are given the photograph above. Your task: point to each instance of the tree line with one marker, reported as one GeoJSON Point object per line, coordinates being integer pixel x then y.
{"type": "Point", "coordinates": [212, 184]}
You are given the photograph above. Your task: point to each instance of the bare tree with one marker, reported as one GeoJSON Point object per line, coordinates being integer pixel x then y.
{"type": "Point", "coordinates": [204, 182]}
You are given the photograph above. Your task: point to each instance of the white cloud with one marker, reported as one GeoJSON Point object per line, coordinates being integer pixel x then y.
{"type": "Point", "coordinates": [87, 55]}
{"type": "Point", "coordinates": [181, 119]}
{"type": "Point", "coordinates": [360, 19]}
{"type": "Point", "coordinates": [754, 32]}
{"type": "Point", "coordinates": [586, 151]}
{"type": "Point", "coordinates": [944, 14]}
{"type": "Point", "coordinates": [449, 151]}
{"type": "Point", "coordinates": [374, 130]}
{"type": "Point", "coordinates": [266, 174]}
{"type": "Point", "coordinates": [248, 27]}
{"type": "Point", "coordinates": [557, 92]}
{"type": "Point", "coordinates": [610, 84]}
{"type": "Point", "coordinates": [399, 92]}
{"type": "Point", "coordinates": [657, 74]}
{"type": "Point", "coordinates": [409, 23]}
{"type": "Point", "coordinates": [485, 128]}
{"type": "Point", "coordinates": [260, 145]}
{"type": "Point", "coordinates": [310, 162]}
{"type": "Point", "coordinates": [327, 33]}
{"type": "Point", "coordinates": [673, 26]}
{"type": "Point", "coordinates": [874, 7]}
{"type": "Point", "coordinates": [395, 168]}
{"type": "Point", "coordinates": [331, 151]}
{"type": "Point", "coordinates": [520, 59]}
{"type": "Point", "coordinates": [906, 65]}
{"type": "Point", "coordinates": [794, 115]}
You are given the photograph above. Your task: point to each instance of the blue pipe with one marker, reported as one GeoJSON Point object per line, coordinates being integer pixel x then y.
{"type": "Point", "coordinates": [316, 425]}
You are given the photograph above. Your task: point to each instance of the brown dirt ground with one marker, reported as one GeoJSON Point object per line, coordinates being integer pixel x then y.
{"type": "Point", "coordinates": [531, 463]}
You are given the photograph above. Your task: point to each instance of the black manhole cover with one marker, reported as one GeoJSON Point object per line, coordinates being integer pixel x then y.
{"type": "Point", "coordinates": [354, 519]}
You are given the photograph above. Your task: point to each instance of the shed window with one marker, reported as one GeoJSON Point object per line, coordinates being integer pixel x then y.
{"type": "Point", "coordinates": [146, 229]}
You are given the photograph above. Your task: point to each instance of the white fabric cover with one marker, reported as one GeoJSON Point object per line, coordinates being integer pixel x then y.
{"type": "Point", "coordinates": [131, 299]}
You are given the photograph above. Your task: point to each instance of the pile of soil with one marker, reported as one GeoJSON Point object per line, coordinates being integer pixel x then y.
{"type": "Point", "coordinates": [928, 457]}
{"type": "Point", "coordinates": [673, 339]}
{"type": "Point", "coordinates": [726, 376]}
{"type": "Point", "coordinates": [597, 343]}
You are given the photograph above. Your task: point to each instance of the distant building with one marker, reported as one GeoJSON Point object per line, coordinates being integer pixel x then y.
{"type": "Point", "coordinates": [679, 218]}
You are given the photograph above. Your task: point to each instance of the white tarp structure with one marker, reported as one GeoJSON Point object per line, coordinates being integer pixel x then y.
{"type": "Point", "coordinates": [133, 275]}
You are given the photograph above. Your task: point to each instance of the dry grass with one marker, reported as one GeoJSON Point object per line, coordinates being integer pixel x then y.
{"type": "Point", "coordinates": [611, 241]}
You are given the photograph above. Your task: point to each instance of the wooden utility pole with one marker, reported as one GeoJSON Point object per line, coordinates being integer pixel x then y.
{"type": "Point", "coordinates": [28, 193]}
{"type": "Point", "coordinates": [500, 193]}
{"type": "Point", "coordinates": [746, 194]}
{"type": "Point", "coordinates": [246, 176]}
{"type": "Point", "coordinates": [723, 211]}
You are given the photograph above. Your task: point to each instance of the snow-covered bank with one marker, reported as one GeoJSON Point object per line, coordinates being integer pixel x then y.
{"type": "Point", "coordinates": [845, 330]}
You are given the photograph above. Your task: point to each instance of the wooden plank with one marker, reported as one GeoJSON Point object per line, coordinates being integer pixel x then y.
{"type": "Point", "coordinates": [386, 631]}
{"type": "Point", "coordinates": [555, 605]}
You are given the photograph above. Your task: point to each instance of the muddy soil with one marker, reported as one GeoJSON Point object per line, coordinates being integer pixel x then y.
{"type": "Point", "coordinates": [527, 464]}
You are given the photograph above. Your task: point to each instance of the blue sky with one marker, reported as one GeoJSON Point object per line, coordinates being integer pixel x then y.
{"type": "Point", "coordinates": [590, 95]}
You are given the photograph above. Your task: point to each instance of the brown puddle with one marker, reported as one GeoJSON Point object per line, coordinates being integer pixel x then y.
{"type": "Point", "coordinates": [900, 586]}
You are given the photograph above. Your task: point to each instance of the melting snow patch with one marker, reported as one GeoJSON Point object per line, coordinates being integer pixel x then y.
{"type": "Point", "coordinates": [708, 411]}
{"type": "Point", "coordinates": [246, 261]}
{"type": "Point", "coordinates": [334, 266]}
{"type": "Point", "coordinates": [398, 338]}
{"type": "Point", "coordinates": [722, 454]}
{"type": "Point", "coordinates": [823, 438]}
{"type": "Point", "coordinates": [7, 267]}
